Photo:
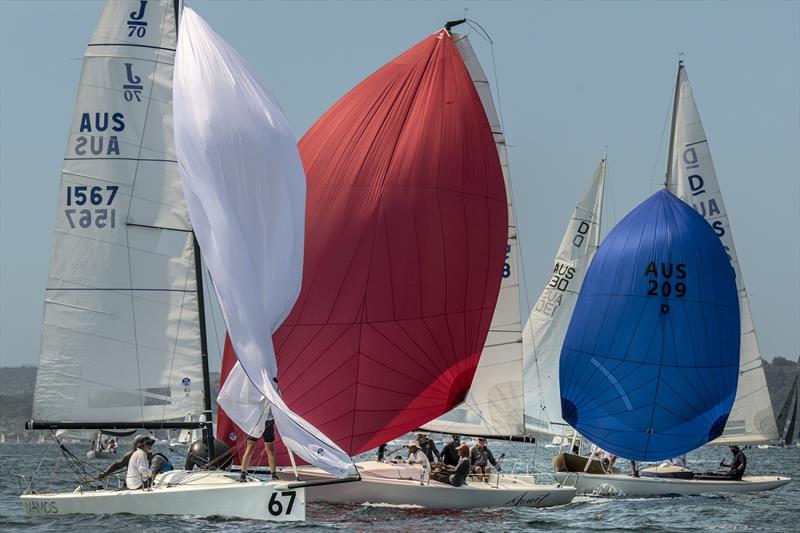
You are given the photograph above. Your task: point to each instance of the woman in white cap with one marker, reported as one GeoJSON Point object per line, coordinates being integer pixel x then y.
{"type": "Point", "coordinates": [416, 457]}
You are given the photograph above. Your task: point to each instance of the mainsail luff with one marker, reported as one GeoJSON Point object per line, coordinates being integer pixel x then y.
{"type": "Point", "coordinates": [494, 405]}
{"type": "Point", "coordinates": [691, 176]}
{"type": "Point", "coordinates": [121, 328]}
{"type": "Point", "coordinates": [547, 325]}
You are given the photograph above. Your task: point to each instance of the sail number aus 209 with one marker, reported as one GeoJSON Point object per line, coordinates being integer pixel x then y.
{"type": "Point", "coordinates": [99, 217]}
{"type": "Point", "coordinates": [665, 287]}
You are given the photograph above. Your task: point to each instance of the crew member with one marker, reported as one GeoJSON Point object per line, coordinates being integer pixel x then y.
{"type": "Point", "coordinates": [138, 475]}
{"type": "Point", "coordinates": [269, 443]}
{"type": "Point", "coordinates": [481, 456]}
{"type": "Point", "coordinates": [427, 446]}
{"type": "Point", "coordinates": [450, 451]}
{"type": "Point", "coordinates": [122, 462]}
{"type": "Point", "coordinates": [417, 457]}
{"type": "Point", "coordinates": [455, 476]}
{"type": "Point", "coordinates": [738, 465]}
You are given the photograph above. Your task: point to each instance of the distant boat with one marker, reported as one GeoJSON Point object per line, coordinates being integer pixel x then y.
{"type": "Point", "coordinates": [787, 417]}
{"type": "Point", "coordinates": [2, 438]}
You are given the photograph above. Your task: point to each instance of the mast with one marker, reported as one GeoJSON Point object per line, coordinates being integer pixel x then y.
{"type": "Point", "coordinates": [676, 95]}
{"type": "Point", "coordinates": [208, 427]}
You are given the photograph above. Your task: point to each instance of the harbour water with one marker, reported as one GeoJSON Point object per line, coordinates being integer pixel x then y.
{"type": "Point", "coordinates": [774, 511]}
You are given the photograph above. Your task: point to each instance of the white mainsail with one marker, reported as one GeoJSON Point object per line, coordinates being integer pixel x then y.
{"type": "Point", "coordinates": [493, 406]}
{"type": "Point", "coordinates": [245, 190]}
{"type": "Point", "coordinates": [545, 330]}
{"type": "Point", "coordinates": [121, 333]}
{"type": "Point", "coordinates": [692, 178]}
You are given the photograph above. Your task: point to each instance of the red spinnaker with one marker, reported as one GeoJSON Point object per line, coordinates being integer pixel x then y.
{"type": "Point", "coordinates": [406, 228]}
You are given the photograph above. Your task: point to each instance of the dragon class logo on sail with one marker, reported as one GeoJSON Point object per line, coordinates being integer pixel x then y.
{"type": "Point", "coordinates": [563, 273]}
{"type": "Point", "coordinates": [707, 207]}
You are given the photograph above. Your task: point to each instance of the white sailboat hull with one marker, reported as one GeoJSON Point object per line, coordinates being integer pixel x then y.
{"type": "Point", "coordinates": [102, 454]}
{"type": "Point", "coordinates": [388, 483]}
{"type": "Point", "coordinates": [181, 493]}
{"type": "Point", "coordinates": [625, 485]}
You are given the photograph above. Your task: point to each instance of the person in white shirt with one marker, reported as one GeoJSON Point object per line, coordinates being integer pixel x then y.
{"type": "Point", "coordinates": [139, 465]}
{"type": "Point", "coordinates": [417, 457]}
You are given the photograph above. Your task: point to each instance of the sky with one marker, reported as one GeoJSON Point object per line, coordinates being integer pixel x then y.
{"type": "Point", "coordinates": [572, 78]}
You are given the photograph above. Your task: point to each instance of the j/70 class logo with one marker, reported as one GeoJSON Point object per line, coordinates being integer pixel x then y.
{"type": "Point", "coordinates": [137, 27]}
{"type": "Point", "coordinates": [132, 89]}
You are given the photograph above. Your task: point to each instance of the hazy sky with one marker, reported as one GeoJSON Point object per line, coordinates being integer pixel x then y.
{"type": "Point", "coordinates": [573, 77]}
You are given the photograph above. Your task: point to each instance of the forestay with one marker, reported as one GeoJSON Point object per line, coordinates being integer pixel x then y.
{"type": "Point", "coordinates": [691, 176]}
{"type": "Point", "coordinates": [493, 406]}
{"type": "Point", "coordinates": [245, 189]}
{"type": "Point", "coordinates": [121, 337]}
{"type": "Point", "coordinates": [545, 330]}
{"type": "Point", "coordinates": [649, 364]}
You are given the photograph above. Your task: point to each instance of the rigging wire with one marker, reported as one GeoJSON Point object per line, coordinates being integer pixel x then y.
{"type": "Point", "coordinates": [660, 145]}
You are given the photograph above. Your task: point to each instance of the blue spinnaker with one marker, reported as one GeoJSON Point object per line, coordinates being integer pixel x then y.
{"type": "Point", "coordinates": [650, 363]}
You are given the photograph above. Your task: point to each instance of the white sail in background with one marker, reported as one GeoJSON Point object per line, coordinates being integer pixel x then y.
{"type": "Point", "coordinates": [121, 333]}
{"type": "Point", "coordinates": [245, 189]}
{"type": "Point", "coordinates": [545, 330]}
{"type": "Point", "coordinates": [692, 178]}
{"type": "Point", "coordinates": [493, 406]}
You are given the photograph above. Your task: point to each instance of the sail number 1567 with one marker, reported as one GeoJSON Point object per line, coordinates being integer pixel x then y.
{"type": "Point", "coordinates": [99, 217]}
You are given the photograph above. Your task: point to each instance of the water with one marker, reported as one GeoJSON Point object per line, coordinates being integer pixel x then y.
{"type": "Point", "coordinates": [772, 511]}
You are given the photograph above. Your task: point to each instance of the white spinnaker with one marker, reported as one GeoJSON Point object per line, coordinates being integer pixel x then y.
{"type": "Point", "coordinates": [694, 180]}
{"type": "Point", "coordinates": [544, 332]}
{"type": "Point", "coordinates": [245, 189]}
{"type": "Point", "coordinates": [493, 406]}
{"type": "Point", "coordinates": [121, 332]}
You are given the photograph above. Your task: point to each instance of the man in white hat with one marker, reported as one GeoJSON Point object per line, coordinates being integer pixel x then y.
{"type": "Point", "coordinates": [416, 457]}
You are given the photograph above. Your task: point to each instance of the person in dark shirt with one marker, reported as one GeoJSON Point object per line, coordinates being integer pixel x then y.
{"type": "Point", "coordinates": [738, 465]}
{"type": "Point", "coordinates": [459, 476]}
{"type": "Point", "coordinates": [450, 451]}
{"type": "Point", "coordinates": [454, 475]}
{"type": "Point", "coordinates": [427, 446]}
{"type": "Point", "coordinates": [481, 456]}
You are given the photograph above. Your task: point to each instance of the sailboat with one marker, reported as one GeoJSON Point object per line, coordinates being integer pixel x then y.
{"type": "Point", "coordinates": [2, 438]}
{"type": "Point", "coordinates": [186, 436]}
{"type": "Point", "coordinates": [547, 325]}
{"type": "Point", "coordinates": [406, 245]}
{"type": "Point", "coordinates": [689, 163]}
{"type": "Point", "coordinates": [787, 416]}
{"type": "Point", "coordinates": [123, 340]}
{"type": "Point", "coordinates": [691, 177]}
